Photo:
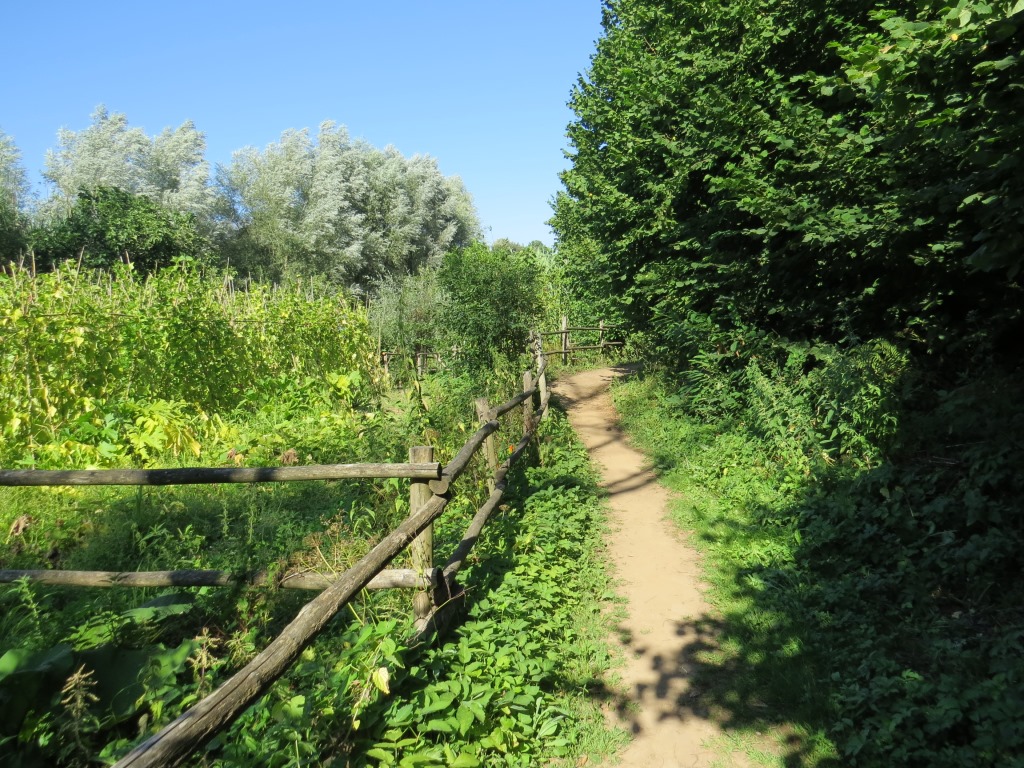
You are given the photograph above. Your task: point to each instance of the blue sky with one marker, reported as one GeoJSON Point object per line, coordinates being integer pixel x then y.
{"type": "Point", "coordinates": [480, 85]}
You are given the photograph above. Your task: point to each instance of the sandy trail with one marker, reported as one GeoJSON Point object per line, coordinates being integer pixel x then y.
{"type": "Point", "coordinates": [659, 576]}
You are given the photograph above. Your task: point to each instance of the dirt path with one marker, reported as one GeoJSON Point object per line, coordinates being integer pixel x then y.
{"type": "Point", "coordinates": [659, 575]}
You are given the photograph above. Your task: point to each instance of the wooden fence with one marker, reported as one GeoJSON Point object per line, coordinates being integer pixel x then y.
{"type": "Point", "coordinates": [426, 361]}
{"type": "Point", "coordinates": [567, 348]}
{"type": "Point", "coordinates": [435, 586]}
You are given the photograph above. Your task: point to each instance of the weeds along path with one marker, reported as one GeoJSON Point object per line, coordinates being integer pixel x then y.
{"type": "Point", "coordinates": [659, 576]}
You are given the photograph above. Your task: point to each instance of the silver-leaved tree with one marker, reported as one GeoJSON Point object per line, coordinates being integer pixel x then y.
{"type": "Point", "coordinates": [339, 208]}
{"type": "Point", "coordinates": [322, 205]}
{"type": "Point", "coordinates": [170, 168]}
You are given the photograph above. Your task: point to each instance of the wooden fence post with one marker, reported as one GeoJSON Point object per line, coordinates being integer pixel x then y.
{"type": "Point", "coordinates": [600, 339]}
{"type": "Point", "coordinates": [543, 381]}
{"type": "Point", "coordinates": [483, 414]}
{"type": "Point", "coordinates": [420, 364]}
{"type": "Point", "coordinates": [527, 404]}
{"type": "Point", "coordinates": [421, 550]}
{"type": "Point", "coordinates": [565, 340]}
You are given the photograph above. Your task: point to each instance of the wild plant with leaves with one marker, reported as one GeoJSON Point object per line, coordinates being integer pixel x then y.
{"type": "Point", "coordinates": [103, 368]}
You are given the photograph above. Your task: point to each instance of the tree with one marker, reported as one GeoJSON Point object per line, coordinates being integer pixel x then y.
{"type": "Point", "coordinates": [176, 174]}
{"type": "Point", "coordinates": [339, 208]}
{"type": "Point", "coordinates": [13, 193]}
{"type": "Point", "coordinates": [820, 171]}
{"type": "Point", "coordinates": [170, 169]}
{"type": "Point", "coordinates": [263, 196]}
{"type": "Point", "coordinates": [492, 299]}
{"type": "Point", "coordinates": [109, 225]}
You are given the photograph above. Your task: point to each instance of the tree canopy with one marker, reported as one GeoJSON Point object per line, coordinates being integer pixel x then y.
{"type": "Point", "coordinates": [813, 212]}
{"type": "Point", "coordinates": [340, 208]}
{"type": "Point", "coordinates": [324, 205]}
{"type": "Point", "coordinates": [838, 171]}
{"type": "Point", "coordinates": [13, 191]}
{"type": "Point", "coordinates": [170, 168]}
{"type": "Point", "coordinates": [108, 225]}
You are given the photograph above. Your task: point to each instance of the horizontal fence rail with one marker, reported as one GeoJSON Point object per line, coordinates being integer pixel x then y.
{"type": "Point", "coordinates": [581, 328]}
{"type": "Point", "coordinates": [198, 725]}
{"type": "Point", "coordinates": [404, 578]}
{"type": "Point", "coordinates": [211, 475]}
{"type": "Point", "coordinates": [567, 347]}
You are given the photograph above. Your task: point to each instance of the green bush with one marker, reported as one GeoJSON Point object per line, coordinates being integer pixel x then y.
{"type": "Point", "coordinates": [108, 226]}
{"type": "Point", "coordinates": [492, 299]}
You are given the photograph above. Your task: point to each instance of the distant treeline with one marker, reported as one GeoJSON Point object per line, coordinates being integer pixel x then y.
{"type": "Point", "coordinates": [322, 205]}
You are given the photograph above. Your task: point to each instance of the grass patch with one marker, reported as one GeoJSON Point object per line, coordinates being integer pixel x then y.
{"type": "Point", "coordinates": [867, 607]}
{"type": "Point", "coordinates": [96, 670]}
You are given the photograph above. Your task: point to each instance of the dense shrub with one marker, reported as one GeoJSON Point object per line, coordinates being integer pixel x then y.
{"type": "Point", "coordinates": [492, 299]}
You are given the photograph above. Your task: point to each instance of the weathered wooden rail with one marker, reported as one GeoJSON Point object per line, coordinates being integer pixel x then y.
{"type": "Point", "coordinates": [210, 475]}
{"type": "Point", "coordinates": [426, 361]}
{"type": "Point", "coordinates": [430, 491]}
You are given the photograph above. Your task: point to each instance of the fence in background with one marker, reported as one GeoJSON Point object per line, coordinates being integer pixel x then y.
{"type": "Point", "coordinates": [567, 349]}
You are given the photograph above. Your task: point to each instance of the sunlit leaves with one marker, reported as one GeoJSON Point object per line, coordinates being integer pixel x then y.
{"type": "Point", "coordinates": [339, 208]}
{"type": "Point", "coordinates": [169, 168]}
{"type": "Point", "coordinates": [833, 172]}
{"type": "Point", "coordinates": [95, 369]}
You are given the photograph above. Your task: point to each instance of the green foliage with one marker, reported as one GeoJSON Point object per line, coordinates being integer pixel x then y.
{"type": "Point", "coordinates": [339, 209]}
{"type": "Point", "coordinates": [168, 169]}
{"type": "Point", "coordinates": [14, 191]}
{"type": "Point", "coordinates": [95, 672]}
{"type": "Point", "coordinates": [915, 566]}
{"type": "Point", "coordinates": [12, 232]}
{"type": "Point", "coordinates": [97, 369]}
{"type": "Point", "coordinates": [830, 173]}
{"type": "Point", "coordinates": [492, 300]}
{"type": "Point", "coordinates": [583, 289]}
{"type": "Point", "coordinates": [106, 369]}
{"type": "Point", "coordinates": [864, 549]}
{"type": "Point", "coordinates": [406, 312]}
{"type": "Point", "coordinates": [324, 205]}
{"type": "Point", "coordinates": [107, 226]}
{"type": "Point", "coordinates": [813, 212]}
{"type": "Point", "coordinates": [507, 688]}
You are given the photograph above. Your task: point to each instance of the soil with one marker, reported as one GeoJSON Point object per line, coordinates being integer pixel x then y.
{"type": "Point", "coordinates": [659, 575]}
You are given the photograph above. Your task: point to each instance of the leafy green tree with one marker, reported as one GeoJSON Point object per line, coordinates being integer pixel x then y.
{"type": "Point", "coordinates": [109, 225]}
{"type": "Point", "coordinates": [815, 209]}
{"type": "Point", "coordinates": [819, 171]}
{"type": "Point", "coordinates": [176, 173]}
{"type": "Point", "coordinates": [262, 196]}
{"type": "Point", "coordinates": [504, 244]}
{"type": "Point", "coordinates": [492, 300]}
